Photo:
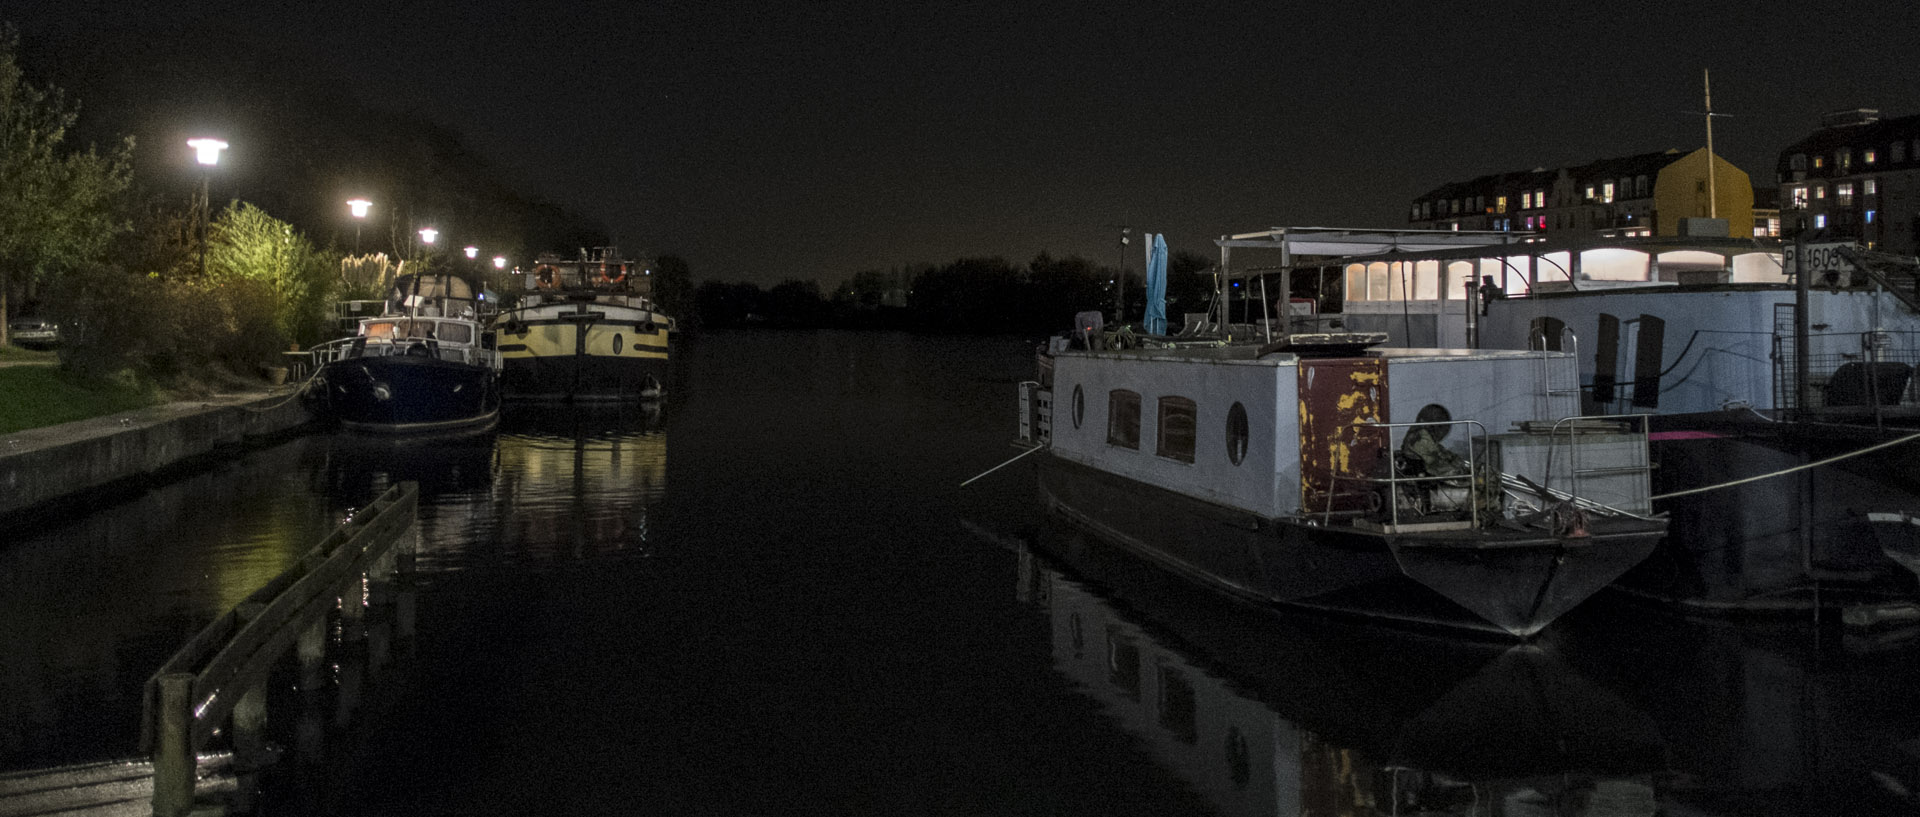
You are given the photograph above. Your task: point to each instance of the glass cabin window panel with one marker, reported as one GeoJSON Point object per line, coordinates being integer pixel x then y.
{"type": "Point", "coordinates": [1123, 419]}
{"type": "Point", "coordinates": [1175, 440]}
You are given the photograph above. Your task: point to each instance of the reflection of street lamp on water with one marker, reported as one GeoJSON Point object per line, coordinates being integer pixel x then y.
{"type": "Point", "coordinates": [207, 153]}
{"type": "Point", "coordinates": [360, 207]}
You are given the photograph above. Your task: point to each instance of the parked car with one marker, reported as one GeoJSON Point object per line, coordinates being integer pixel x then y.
{"type": "Point", "coordinates": [34, 332]}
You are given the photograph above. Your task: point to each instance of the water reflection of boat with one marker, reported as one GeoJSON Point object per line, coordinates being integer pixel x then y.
{"type": "Point", "coordinates": [1765, 718]}
{"type": "Point", "coordinates": [1264, 713]}
{"type": "Point", "coordinates": [577, 482]}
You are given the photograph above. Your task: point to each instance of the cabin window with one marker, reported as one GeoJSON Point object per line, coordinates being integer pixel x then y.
{"type": "Point", "coordinates": [1175, 441]}
{"type": "Point", "coordinates": [1179, 710]}
{"type": "Point", "coordinates": [1079, 405]}
{"type": "Point", "coordinates": [1237, 433]}
{"type": "Point", "coordinates": [1123, 418]}
{"type": "Point", "coordinates": [1547, 330]}
{"type": "Point", "coordinates": [1123, 664]}
{"type": "Point", "coordinates": [1239, 760]}
{"type": "Point", "coordinates": [455, 333]}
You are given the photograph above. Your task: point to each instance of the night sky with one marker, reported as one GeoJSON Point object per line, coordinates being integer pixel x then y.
{"type": "Point", "coordinates": [764, 141]}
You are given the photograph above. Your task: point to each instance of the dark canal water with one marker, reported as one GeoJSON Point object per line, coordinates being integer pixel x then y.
{"type": "Point", "coordinates": [770, 596]}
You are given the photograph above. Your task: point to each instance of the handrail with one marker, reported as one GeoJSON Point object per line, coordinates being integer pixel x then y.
{"type": "Point", "coordinates": [1394, 480]}
{"type": "Point", "coordinates": [222, 671]}
{"type": "Point", "coordinates": [1572, 425]}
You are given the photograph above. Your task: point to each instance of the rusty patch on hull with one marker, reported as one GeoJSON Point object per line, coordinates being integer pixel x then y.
{"type": "Point", "coordinates": [1338, 450]}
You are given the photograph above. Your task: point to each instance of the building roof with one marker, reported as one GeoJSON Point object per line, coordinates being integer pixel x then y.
{"type": "Point", "coordinates": [1597, 170]}
{"type": "Point", "coordinates": [1865, 134]}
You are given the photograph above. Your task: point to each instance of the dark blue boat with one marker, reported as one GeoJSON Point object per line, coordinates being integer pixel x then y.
{"type": "Point", "coordinates": [425, 365]}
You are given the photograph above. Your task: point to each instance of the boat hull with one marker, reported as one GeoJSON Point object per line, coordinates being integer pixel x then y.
{"type": "Point", "coordinates": [598, 353]}
{"type": "Point", "coordinates": [1506, 583]}
{"type": "Point", "coordinates": [400, 394]}
{"type": "Point", "coordinates": [1840, 536]}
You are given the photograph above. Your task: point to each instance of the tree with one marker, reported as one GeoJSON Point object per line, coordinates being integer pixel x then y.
{"type": "Point", "coordinates": [247, 244]}
{"type": "Point", "coordinates": [673, 286]}
{"type": "Point", "coordinates": [58, 207]}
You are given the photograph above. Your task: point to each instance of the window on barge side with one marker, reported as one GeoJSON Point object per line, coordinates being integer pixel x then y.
{"type": "Point", "coordinates": [1123, 418]}
{"type": "Point", "coordinates": [1175, 440]}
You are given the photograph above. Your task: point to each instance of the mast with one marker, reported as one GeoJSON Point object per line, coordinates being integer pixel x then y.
{"type": "Point", "coordinates": [1713, 199]}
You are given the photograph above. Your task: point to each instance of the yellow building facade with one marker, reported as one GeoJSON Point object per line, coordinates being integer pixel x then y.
{"type": "Point", "coordinates": [1682, 190]}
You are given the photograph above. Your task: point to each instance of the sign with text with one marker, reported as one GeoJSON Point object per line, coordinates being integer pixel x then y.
{"type": "Point", "coordinates": [1821, 259]}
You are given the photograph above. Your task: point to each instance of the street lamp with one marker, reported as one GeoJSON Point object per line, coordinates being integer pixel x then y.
{"type": "Point", "coordinates": [499, 262]}
{"type": "Point", "coordinates": [360, 207]}
{"type": "Point", "coordinates": [473, 252]}
{"type": "Point", "coordinates": [428, 234]}
{"type": "Point", "coordinates": [207, 153]}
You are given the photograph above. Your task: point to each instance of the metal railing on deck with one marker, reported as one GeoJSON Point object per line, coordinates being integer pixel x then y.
{"type": "Point", "coordinates": [222, 672]}
{"type": "Point", "coordinates": [1394, 479]}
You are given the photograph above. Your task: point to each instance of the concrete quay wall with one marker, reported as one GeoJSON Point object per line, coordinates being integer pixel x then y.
{"type": "Point", "coordinates": [43, 467]}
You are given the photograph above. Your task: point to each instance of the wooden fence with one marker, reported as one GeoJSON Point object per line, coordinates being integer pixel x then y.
{"type": "Point", "coordinates": [220, 676]}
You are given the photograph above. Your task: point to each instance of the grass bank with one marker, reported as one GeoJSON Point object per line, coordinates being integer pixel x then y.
{"type": "Point", "coordinates": [35, 396]}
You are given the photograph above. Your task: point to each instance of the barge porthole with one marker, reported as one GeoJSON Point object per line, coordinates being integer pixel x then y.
{"type": "Point", "coordinates": [619, 344]}
{"type": "Point", "coordinates": [1237, 433]}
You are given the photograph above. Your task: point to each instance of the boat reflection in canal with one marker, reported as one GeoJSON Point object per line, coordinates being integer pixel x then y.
{"type": "Point", "coordinates": [1263, 713]}
{"type": "Point", "coordinates": [1618, 711]}
{"type": "Point", "coordinates": [553, 484]}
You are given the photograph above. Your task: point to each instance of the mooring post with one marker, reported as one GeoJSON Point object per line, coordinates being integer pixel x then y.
{"type": "Point", "coordinates": [313, 654]}
{"type": "Point", "coordinates": [250, 712]}
{"type": "Point", "coordinates": [353, 608]}
{"type": "Point", "coordinates": [173, 758]}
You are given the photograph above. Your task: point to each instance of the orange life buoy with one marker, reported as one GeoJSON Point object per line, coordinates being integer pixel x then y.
{"type": "Point", "coordinates": [545, 276]}
{"type": "Point", "coordinates": [613, 274]}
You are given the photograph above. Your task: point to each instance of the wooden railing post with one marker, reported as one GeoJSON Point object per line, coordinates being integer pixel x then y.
{"type": "Point", "coordinates": [173, 756]}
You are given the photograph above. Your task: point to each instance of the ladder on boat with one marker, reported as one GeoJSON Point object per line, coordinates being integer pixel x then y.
{"type": "Point", "coordinates": [1544, 374]}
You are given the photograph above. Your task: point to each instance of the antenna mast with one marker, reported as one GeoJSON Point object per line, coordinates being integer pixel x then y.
{"type": "Point", "coordinates": [1713, 199]}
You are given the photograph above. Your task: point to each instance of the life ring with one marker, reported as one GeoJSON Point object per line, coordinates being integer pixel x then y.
{"type": "Point", "coordinates": [546, 276]}
{"type": "Point", "coordinates": [613, 274]}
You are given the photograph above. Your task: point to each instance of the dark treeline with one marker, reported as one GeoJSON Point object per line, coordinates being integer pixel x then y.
{"type": "Point", "coordinates": [987, 295]}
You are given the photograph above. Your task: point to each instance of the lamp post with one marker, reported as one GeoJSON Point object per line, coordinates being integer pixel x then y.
{"type": "Point", "coordinates": [473, 252]}
{"type": "Point", "coordinates": [207, 153]}
{"type": "Point", "coordinates": [359, 207]}
{"type": "Point", "coordinates": [1120, 294]}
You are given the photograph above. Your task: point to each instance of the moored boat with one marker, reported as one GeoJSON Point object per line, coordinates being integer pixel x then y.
{"type": "Point", "coordinates": [424, 365]}
{"type": "Point", "coordinates": [1321, 473]}
{"type": "Point", "coordinates": [1783, 407]}
{"type": "Point", "coordinates": [585, 330]}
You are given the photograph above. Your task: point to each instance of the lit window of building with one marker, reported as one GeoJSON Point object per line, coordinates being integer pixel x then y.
{"type": "Point", "coordinates": [1820, 221]}
{"type": "Point", "coordinates": [1606, 192]}
{"type": "Point", "coordinates": [1869, 155]}
{"type": "Point", "coordinates": [1797, 196]}
{"type": "Point", "coordinates": [1819, 162]}
{"type": "Point", "coordinates": [1843, 159]}
{"type": "Point", "coordinates": [1590, 195]}
{"type": "Point", "coordinates": [1870, 216]}
{"type": "Point", "coordinates": [1819, 192]}
{"type": "Point", "coordinates": [1869, 186]}
{"type": "Point", "coordinates": [1843, 193]}
{"type": "Point", "coordinates": [1499, 204]}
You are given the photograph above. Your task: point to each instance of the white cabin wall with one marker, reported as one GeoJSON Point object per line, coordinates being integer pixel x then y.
{"type": "Point", "coordinates": [1266, 481]}
{"type": "Point", "coordinates": [1496, 390]}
